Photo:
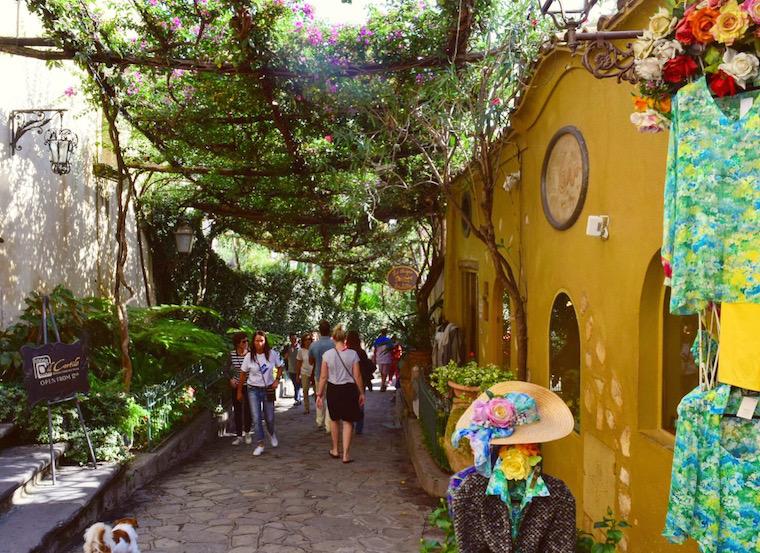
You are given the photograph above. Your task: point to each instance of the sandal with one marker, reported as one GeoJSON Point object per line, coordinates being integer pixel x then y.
{"type": "Point", "coordinates": [334, 456]}
{"type": "Point", "coordinates": [349, 461]}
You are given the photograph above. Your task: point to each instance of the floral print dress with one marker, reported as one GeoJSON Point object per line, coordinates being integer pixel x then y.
{"type": "Point", "coordinates": [711, 232]}
{"type": "Point", "coordinates": [715, 483]}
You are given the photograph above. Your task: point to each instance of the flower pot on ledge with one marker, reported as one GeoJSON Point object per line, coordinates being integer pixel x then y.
{"type": "Point", "coordinates": [464, 394]}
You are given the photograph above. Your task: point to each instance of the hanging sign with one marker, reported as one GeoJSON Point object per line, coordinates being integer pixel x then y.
{"type": "Point", "coordinates": [54, 371]}
{"type": "Point", "coordinates": [403, 277]}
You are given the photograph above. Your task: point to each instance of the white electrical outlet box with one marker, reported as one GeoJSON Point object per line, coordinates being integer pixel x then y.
{"type": "Point", "coordinates": [598, 225]}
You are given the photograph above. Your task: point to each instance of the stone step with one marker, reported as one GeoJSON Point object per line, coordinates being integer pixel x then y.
{"type": "Point", "coordinates": [21, 467]}
{"type": "Point", "coordinates": [41, 519]}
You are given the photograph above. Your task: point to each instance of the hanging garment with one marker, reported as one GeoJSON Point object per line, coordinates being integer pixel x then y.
{"type": "Point", "coordinates": [740, 345]}
{"type": "Point", "coordinates": [711, 230]}
{"type": "Point", "coordinates": [483, 523]}
{"type": "Point", "coordinates": [715, 482]}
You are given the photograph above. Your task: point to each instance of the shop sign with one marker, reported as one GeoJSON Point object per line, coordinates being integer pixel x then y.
{"type": "Point", "coordinates": [403, 277]}
{"type": "Point", "coordinates": [54, 371]}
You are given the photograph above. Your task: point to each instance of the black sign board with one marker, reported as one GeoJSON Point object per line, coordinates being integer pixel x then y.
{"type": "Point", "coordinates": [54, 371]}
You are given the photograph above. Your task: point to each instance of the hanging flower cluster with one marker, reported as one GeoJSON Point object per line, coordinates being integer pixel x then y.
{"type": "Point", "coordinates": [716, 38]}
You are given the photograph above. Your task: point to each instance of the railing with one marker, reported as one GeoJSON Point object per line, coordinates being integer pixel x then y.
{"type": "Point", "coordinates": [157, 398]}
{"type": "Point", "coordinates": [433, 415]}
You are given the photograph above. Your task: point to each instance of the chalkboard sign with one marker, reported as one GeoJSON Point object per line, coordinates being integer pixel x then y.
{"type": "Point", "coordinates": [54, 371]}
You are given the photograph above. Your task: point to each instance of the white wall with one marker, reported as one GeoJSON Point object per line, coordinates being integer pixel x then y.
{"type": "Point", "coordinates": [56, 229]}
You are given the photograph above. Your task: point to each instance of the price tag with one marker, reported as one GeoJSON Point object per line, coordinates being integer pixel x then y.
{"type": "Point", "coordinates": [745, 104]}
{"type": "Point", "coordinates": [747, 407]}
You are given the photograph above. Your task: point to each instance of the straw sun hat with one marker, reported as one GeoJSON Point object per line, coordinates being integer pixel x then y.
{"type": "Point", "coordinates": [556, 419]}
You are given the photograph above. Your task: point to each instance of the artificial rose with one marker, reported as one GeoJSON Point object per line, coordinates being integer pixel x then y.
{"type": "Point", "coordinates": [752, 7]}
{"type": "Point", "coordinates": [479, 412]}
{"type": "Point", "coordinates": [531, 450]}
{"type": "Point", "coordinates": [650, 121]}
{"type": "Point", "coordinates": [640, 104]}
{"type": "Point", "coordinates": [679, 69]}
{"type": "Point", "coordinates": [662, 23]}
{"type": "Point", "coordinates": [742, 66]}
{"type": "Point", "coordinates": [663, 105]}
{"type": "Point", "coordinates": [514, 464]}
{"type": "Point", "coordinates": [665, 50]}
{"type": "Point", "coordinates": [731, 23]}
{"type": "Point", "coordinates": [702, 22]}
{"type": "Point", "coordinates": [722, 84]}
{"type": "Point", "coordinates": [683, 29]}
{"type": "Point", "coordinates": [649, 69]}
{"type": "Point", "coordinates": [501, 412]}
{"type": "Point", "coordinates": [642, 48]}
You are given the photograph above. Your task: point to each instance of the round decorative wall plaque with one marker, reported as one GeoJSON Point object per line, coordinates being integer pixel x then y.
{"type": "Point", "coordinates": [564, 178]}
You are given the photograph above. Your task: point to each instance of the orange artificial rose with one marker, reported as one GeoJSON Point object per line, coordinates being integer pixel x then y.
{"type": "Point", "coordinates": [640, 104]}
{"type": "Point", "coordinates": [702, 22]}
{"type": "Point", "coordinates": [663, 105]}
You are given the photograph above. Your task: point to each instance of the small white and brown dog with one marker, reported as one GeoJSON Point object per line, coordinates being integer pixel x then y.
{"type": "Point", "coordinates": [119, 538]}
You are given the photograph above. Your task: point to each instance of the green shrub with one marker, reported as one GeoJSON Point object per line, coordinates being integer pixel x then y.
{"type": "Point", "coordinates": [470, 374]}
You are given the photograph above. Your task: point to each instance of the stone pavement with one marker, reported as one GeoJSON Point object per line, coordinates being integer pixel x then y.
{"type": "Point", "coordinates": [291, 499]}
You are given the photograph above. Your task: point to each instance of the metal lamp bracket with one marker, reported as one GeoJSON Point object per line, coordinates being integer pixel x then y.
{"type": "Point", "coordinates": [25, 120]}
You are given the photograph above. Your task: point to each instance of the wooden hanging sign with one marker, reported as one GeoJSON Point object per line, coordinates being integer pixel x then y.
{"type": "Point", "coordinates": [403, 278]}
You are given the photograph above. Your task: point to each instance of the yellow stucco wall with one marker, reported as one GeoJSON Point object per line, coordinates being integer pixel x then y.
{"type": "Point", "coordinates": [620, 458]}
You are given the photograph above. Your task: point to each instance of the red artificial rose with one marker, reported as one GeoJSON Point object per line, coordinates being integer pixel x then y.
{"type": "Point", "coordinates": [679, 69]}
{"type": "Point", "coordinates": [684, 34]}
{"type": "Point", "coordinates": [723, 84]}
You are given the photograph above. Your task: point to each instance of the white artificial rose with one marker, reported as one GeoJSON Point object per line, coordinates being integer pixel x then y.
{"type": "Point", "coordinates": [662, 23]}
{"type": "Point", "coordinates": [650, 121]}
{"type": "Point", "coordinates": [665, 50]}
{"type": "Point", "coordinates": [642, 48]}
{"type": "Point", "coordinates": [742, 66]}
{"type": "Point", "coordinates": [649, 69]}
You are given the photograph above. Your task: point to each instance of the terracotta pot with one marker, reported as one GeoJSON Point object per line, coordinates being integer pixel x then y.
{"type": "Point", "coordinates": [421, 359]}
{"type": "Point", "coordinates": [464, 394]}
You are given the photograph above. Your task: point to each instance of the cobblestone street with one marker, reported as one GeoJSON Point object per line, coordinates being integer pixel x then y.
{"type": "Point", "coordinates": [292, 499]}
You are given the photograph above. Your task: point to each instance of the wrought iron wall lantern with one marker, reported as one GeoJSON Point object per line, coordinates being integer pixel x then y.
{"type": "Point", "coordinates": [61, 142]}
{"type": "Point", "coordinates": [602, 58]}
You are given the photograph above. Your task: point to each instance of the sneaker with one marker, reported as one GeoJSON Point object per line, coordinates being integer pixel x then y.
{"type": "Point", "coordinates": [238, 440]}
{"type": "Point", "coordinates": [258, 450]}
{"type": "Point", "coordinates": [248, 438]}
{"type": "Point", "coordinates": [273, 440]}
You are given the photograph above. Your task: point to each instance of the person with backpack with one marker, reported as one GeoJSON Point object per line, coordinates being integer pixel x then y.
{"type": "Point", "coordinates": [340, 385]}
{"type": "Point", "coordinates": [382, 352]}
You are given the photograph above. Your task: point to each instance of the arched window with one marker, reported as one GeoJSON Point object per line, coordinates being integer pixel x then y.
{"type": "Point", "coordinates": [565, 355]}
{"type": "Point", "coordinates": [467, 209]}
{"type": "Point", "coordinates": [680, 373]}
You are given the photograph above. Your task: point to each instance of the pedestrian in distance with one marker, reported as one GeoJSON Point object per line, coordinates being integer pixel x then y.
{"type": "Point", "coordinates": [240, 407]}
{"type": "Point", "coordinates": [305, 369]}
{"type": "Point", "coordinates": [290, 355]}
{"type": "Point", "coordinates": [366, 367]}
{"type": "Point", "coordinates": [382, 353]}
{"type": "Point", "coordinates": [316, 350]}
{"type": "Point", "coordinates": [262, 365]}
{"type": "Point", "coordinates": [340, 384]}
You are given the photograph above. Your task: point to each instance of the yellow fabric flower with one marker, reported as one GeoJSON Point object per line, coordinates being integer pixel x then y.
{"type": "Point", "coordinates": [662, 23]}
{"type": "Point", "coordinates": [514, 464]}
{"type": "Point", "coordinates": [732, 23]}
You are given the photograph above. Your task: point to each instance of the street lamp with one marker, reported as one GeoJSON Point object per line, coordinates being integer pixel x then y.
{"type": "Point", "coordinates": [61, 142]}
{"type": "Point", "coordinates": [184, 236]}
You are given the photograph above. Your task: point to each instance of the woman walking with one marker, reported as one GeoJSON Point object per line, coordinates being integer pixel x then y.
{"type": "Point", "coordinates": [366, 367]}
{"type": "Point", "coordinates": [340, 380]}
{"type": "Point", "coordinates": [239, 405]}
{"type": "Point", "coordinates": [261, 364]}
{"type": "Point", "coordinates": [304, 368]}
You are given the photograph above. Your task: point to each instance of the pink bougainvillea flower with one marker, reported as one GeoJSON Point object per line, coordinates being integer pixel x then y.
{"type": "Point", "coordinates": [479, 412]}
{"type": "Point", "coordinates": [501, 412]}
{"type": "Point", "coordinates": [153, 2]}
{"type": "Point", "coordinates": [70, 91]}
{"type": "Point", "coordinates": [176, 23]}
{"type": "Point", "coordinates": [496, 102]}
{"type": "Point", "coordinates": [329, 138]}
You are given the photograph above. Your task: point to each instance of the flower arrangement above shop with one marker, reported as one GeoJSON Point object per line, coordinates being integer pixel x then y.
{"type": "Point", "coordinates": [717, 39]}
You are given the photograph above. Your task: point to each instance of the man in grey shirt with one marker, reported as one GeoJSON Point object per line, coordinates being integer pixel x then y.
{"type": "Point", "coordinates": [316, 350]}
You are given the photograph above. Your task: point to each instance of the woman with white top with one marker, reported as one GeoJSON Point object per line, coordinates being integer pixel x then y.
{"type": "Point", "coordinates": [341, 379]}
{"type": "Point", "coordinates": [305, 369]}
{"type": "Point", "coordinates": [261, 364]}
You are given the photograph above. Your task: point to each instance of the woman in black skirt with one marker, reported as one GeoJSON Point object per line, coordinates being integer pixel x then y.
{"type": "Point", "coordinates": [341, 378]}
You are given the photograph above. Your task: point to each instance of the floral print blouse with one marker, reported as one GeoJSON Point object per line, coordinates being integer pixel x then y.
{"type": "Point", "coordinates": [715, 482]}
{"type": "Point", "coordinates": [711, 231]}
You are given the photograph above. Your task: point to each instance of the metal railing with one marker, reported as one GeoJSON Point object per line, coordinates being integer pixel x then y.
{"type": "Point", "coordinates": [157, 398]}
{"type": "Point", "coordinates": [433, 415]}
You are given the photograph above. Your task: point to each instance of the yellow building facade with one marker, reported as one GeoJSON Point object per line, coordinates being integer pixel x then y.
{"type": "Point", "coordinates": [602, 301]}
